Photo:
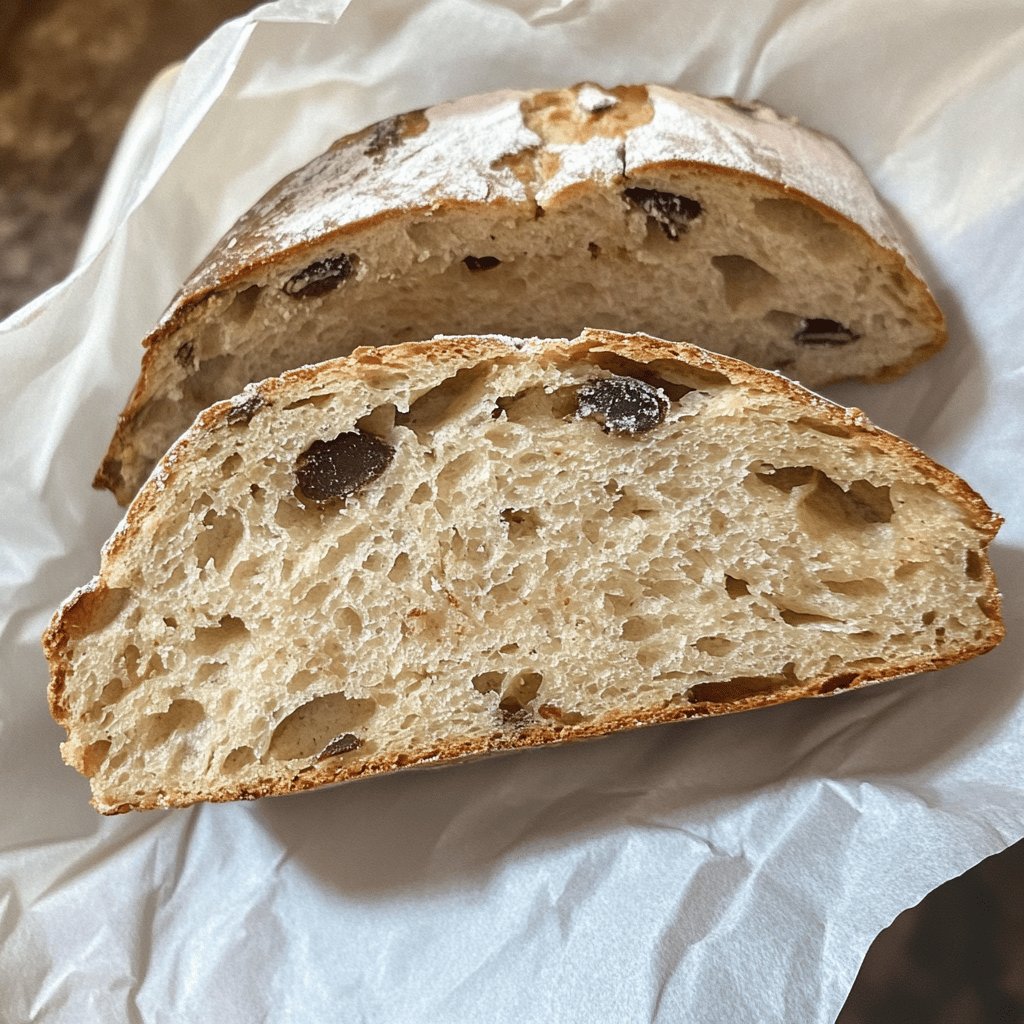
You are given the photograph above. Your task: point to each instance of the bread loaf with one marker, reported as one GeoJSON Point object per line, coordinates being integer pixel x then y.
{"type": "Point", "coordinates": [439, 549]}
{"type": "Point", "coordinates": [539, 213]}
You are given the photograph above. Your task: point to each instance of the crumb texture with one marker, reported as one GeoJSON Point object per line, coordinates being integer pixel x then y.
{"type": "Point", "coordinates": [537, 214]}
{"type": "Point", "coordinates": [543, 541]}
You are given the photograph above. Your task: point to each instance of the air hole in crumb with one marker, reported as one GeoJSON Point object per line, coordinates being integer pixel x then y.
{"type": "Point", "coordinates": [401, 568]}
{"type": "Point", "coordinates": [112, 692]}
{"type": "Point", "coordinates": [907, 569]}
{"type": "Point", "coordinates": [742, 687]}
{"type": "Point", "coordinates": [204, 387]}
{"type": "Point", "coordinates": [793, 618]}
{"type": "Point", "coordinates": [816, 235]}
{"type": "Point", "coordinates": [594, 249]}
{"type": "Point", "coordinates": [861, 503]}
{"type": "Point", "coordinates": [94, 755]}
{"type": "Point", "coordinates": [716, 646]}
{"type": "Point", "coordinates": [230, 465]}
{"type": "Point", "coordinates": [422, 495]}
{"type": "Point", "coordinates": [217, 540]}
{"type": "Point", "coordinates": [665, 375]}
{"type": "Point", "coordinates": [379, 421]}
{"type": "Point", "coordinates": [131, 663]}
{"type": "Point", "coordinates": [478, 263]}
{"type": "Point", "coordinates": [237, 759]}
{"type": "Point", "coordinates": [522, 522]}
{"type": "Point", "coordinates": [640, 628]}
{"type": "Point", "coordinates": [989, 608]}
{"type": "Point", "coordinates": [311, 401]}
{"type": "Point", "coordinates": [843, 681]}
{"type": "Point", "coordinates": [312, 726]}
{"type": "Point", "coordinates": [975, 566]}
{"type": "Point", "coordinates": [100, 607]}
{"type": "Point", "coordinates": [243, 304]}
{"type": "Point", "coordinates": [519, 691]}
{"type": "Point", "coordinates": [735, 587]}
{"type": "Point", "coordinates": [208, 670]}
{"type": "Point", "coordinates": [537, 405]}
{"type": "Point", "coordinates": [488, 682]}
{"type": "Point", "coordinates": [182, 716]}
{"type": "Point", "coordinates": [928, 618]}
{"type": "Point", "coordinates": [212, 639]}
{"type": "Point", "coordinates": [824, 427]}
{"type": "Point", "coordinates": [856, 588]}
{"type": "Point", "coordinates": [448, 400]}
{"type": "Point", "coordinates": [782, 322]}
{"type": "Point", "coordinates": [745, 283]}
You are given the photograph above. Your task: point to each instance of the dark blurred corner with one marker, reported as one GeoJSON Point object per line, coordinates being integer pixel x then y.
{"type": "Point", "coordinates": [70, 73]}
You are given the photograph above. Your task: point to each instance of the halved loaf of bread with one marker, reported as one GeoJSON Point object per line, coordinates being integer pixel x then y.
{"type": "Point", "coordinates": [441, 549]}
{"type": "Point", "coordinates": [540, 213]}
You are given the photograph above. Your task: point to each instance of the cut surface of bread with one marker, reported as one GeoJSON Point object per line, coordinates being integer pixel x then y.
{"type": "Point", "coordinates": [435, 550]}
{"type": "Point", "coordinates": [537, 214]}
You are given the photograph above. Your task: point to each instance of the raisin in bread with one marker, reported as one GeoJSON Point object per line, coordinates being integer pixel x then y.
{"type": "Point", "coordinates": [540, 213]}
{"type": "Point", "coordinates": [440, 549]}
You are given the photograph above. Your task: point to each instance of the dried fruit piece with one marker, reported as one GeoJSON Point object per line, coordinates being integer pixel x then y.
{"type": "Point", "coordinates": [321, 276]}
{"type": "Point", "coordinates": [674, 214]}
{"type": "Point", "coordinates": [338, 468]}
{"type": "Point", "coordinates": [476, 263]}
{"type": "Point", "coordinates": [816, 331]}
{"type": "Point", "coordinates": [622, 405]}
{"type": "Point", "coordinates": [340, 745]}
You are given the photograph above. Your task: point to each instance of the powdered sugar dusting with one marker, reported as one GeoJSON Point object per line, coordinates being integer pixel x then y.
{"type": "Point", "coordinates": [458, 159]}
{"type": "Point", "coordinates": [455, 159]}
{"type": "Point", "coordinates": [755, 139]}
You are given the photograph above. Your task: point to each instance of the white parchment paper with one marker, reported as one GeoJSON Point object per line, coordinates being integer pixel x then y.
{"type": "Point", "coordinates": [734, 870]}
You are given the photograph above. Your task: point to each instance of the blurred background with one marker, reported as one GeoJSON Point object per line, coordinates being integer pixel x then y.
{"type": "Point", "coordinates": [70, 74]}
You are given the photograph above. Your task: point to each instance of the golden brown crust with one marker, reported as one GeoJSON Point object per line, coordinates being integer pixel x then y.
{"type": "Point", "coordinates": [385, 365]}
{"type": "Point", "coordinates": [237, 258]}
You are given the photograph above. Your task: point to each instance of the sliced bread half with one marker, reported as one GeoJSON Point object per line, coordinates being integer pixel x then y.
{"type": "Point", "coordinates": [540, 213]}
{"type": "Point", "coordinates": [441, 549]}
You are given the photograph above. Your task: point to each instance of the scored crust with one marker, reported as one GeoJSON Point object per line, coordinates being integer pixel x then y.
{"type": "Point", "coordinates": [527, 154]}
{"type": "Point", "coordinates": [391, 367]}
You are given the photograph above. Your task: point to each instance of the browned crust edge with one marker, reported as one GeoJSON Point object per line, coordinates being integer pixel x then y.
{"type": "Point", "coordinates": [76, 614]}
{"type": "Point", "coordinates": [188, 306]}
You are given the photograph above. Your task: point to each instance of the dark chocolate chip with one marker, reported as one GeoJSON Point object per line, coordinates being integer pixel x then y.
{"type": "Point", "coordinates": [340, 745]}
{"type": "Point", "coordinates": [674, 214]}
{"type": "Point", "coordinates": [814, 331]}
{"type": "Point", "coordinates": [476, 263]}
{"type": "Point", "coordinates": [183, 354]}
{"type": "Point", "coordinates": [242, 412]}
{"type": "Point", "coordinates": [338, 468]}
{"type": "Point", "coordinates": [622, 405]}
{"type": "Point", "coordinates": [321, 276]}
